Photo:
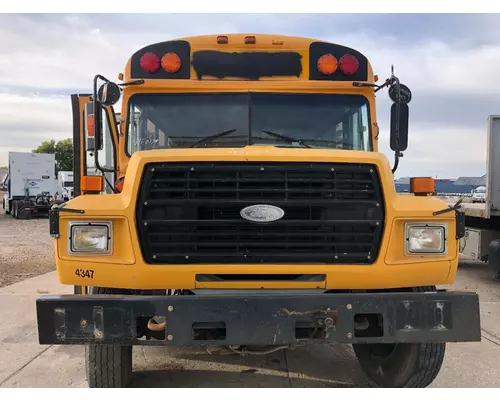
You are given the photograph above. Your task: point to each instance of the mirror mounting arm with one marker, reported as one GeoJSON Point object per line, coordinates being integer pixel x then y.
{"type": "Point", "coordinates": [397, 156]}
{"type": "Point", "coordinates": [98, 133]}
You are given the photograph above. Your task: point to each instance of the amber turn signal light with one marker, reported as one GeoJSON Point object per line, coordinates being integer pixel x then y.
{"type": "Point", "coordinates": [92, 183]}
{"type": "Point", "coordinates": [90, 125]}
{"type": "Point", "coordinates": [422, 186]}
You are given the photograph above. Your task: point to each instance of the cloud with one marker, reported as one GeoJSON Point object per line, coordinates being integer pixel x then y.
{"type": "Point", "coordinates": [26, 121]}
{"type": "Point", "coordinates": [450, 62]}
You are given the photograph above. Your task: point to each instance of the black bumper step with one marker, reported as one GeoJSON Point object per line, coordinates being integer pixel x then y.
{"type": "Point", "coordinates": [262, 319]}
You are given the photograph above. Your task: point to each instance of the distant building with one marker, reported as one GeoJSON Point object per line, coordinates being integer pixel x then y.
{"type": "Point", "coordinates": [472, 181]}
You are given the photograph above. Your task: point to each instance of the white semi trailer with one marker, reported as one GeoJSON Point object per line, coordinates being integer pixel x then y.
{"type": "Point", "coordinates": [30, 184]}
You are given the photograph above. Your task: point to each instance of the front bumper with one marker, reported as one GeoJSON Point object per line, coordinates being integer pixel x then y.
{"type": "Point", "coordinates": [260, 319]}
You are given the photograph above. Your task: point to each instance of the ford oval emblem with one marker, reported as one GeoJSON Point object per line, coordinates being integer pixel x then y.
{"type": "Point", "coordinates": [262, 213]}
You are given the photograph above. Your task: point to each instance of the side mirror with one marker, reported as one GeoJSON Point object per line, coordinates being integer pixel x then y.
{"type": "Point", "coordinates": [109, 94]}
{"type": "Point", "coordinates": [399, 126]}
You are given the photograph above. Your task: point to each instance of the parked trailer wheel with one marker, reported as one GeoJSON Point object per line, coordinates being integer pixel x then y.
{"type": "Point", "coordinates": [14, 209]}
{"type": "Point", "coordinates": [411, 365]}
{"type": "Point", "coordinates": [108, 366]}
{"type": "Point", "coordinates": [4, 207]}
{"type": "Point", "coordinates": [20, 212]}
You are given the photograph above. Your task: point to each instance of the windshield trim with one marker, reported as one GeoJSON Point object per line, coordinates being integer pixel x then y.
{"type": "Point", "coordinates": [249, 92]}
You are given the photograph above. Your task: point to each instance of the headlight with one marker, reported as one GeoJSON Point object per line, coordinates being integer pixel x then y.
{"type": "Point", "coordinates": [425, 238]}
{"type": "Point", "coordinates": [90, 237]}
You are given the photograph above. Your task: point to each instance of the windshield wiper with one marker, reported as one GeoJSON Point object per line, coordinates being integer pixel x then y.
{"type": "Point", "coordinates": [213, 137]}
{"type": "Point", "coordinates": [286, 138]}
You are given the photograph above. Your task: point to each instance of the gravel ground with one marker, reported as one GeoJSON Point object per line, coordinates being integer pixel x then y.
{"type": "Point", "coordinates": [26, 249]}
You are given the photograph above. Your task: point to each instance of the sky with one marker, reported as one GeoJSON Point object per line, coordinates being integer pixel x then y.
{"type": "Point", "coordinates": [450, 62]}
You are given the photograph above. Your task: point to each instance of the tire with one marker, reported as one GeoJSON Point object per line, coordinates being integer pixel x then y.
{"type": "Point", "coordinates": [14, 209]}
{"type": "Point", "coordinates": [397, 365]}
{"type": "Point", "coordinates": [108, 366]}
{"type": "Point", "coordinates": [22, 214]}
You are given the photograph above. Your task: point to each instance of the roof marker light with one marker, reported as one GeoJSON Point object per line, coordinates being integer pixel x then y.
{"type": "Point", "coordinates": [222, 40]}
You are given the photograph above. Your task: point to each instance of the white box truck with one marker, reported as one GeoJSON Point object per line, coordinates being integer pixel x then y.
{"type": "Point", "coordinates": [30, 184]}
{"type": "Point", "coordinates": [482, 220]}
{"type": "Point", "coordinates": [64, 185]}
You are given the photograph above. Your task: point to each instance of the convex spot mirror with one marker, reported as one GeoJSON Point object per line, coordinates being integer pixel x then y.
{"type": "Point", "coordinates": [109, 94]}
{"type": "Point", "coordinates": [404, 93]}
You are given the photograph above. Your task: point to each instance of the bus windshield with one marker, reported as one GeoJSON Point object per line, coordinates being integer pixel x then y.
{"type": "Point", "coordinates": [163, 121]}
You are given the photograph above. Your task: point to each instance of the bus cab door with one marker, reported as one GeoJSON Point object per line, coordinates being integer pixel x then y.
{"type": "Point", "coordinates": [84, 159]}
{"type": "Point", "coordinates": [84, 163]}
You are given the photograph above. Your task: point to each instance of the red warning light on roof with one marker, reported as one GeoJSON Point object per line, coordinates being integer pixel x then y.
{"type": "Point", "coordinates": [349, 64]}
{"type": "Point", "coordinates": [150, 62]}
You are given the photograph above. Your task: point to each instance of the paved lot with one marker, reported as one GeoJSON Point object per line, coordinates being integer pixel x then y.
{"type": "Point", "coordinates": [24, 363]}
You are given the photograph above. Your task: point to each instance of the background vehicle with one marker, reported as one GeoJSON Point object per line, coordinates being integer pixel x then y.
{"type": "Point", "coordinates": [64, 185]}
{"type": "Point", "coordinates": [482, 233]}
{"type": "Point", "coordinates": [30, 184]}
{"type": "Point", "coordinates": [247, 206]}
{"type": "Point", "coordinates": [479, 195]}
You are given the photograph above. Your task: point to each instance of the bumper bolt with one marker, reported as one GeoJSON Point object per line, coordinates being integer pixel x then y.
{"type": "Point", "coordinates": [349, 307]}
{"type": "Point", "coordinates": [170, 308]}
{"type": "Point", "coordinates": [83, 323]}
{"type": "Point", "coordinates": [170, 337]}
{"type": "Point", "coordinates": [349, 335]}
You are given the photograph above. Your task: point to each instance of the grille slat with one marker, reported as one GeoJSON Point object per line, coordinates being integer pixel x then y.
{"type": "Point", "coordinates": [190, 213]}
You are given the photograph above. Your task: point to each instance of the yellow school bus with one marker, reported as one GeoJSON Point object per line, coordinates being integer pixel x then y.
{"type": "Point", "coordinates": [239, 199]}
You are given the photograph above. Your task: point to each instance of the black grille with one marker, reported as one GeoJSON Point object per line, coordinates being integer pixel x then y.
{"type": "Point", "coordinates": [189, 213]}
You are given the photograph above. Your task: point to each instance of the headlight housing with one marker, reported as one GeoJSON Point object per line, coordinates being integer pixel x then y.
{"type": "Point", "coordinates": [90, 237]}
{"type": "Point", "coordinates": [425, 238]}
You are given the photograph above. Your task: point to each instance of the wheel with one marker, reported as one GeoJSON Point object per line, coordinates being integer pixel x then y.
{"type": "Point", "coordinates": [14, 209]}
{"type": "Point", "coordinates": [20, 213]}
{"type": "Point", "coordinates": [108, 366]}
{"type": "Point", "coordinates": [411, 365]}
